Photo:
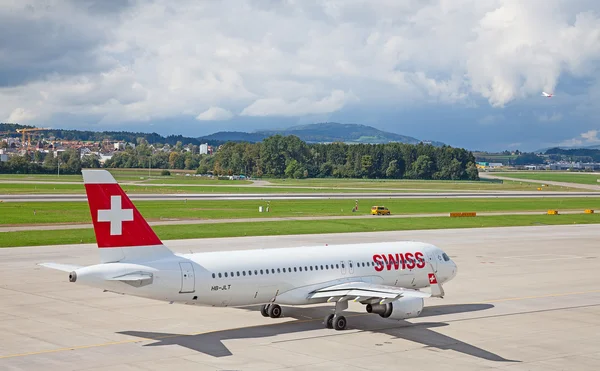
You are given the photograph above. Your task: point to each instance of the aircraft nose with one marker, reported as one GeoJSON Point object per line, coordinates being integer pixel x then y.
{"type": "Point", "coordinates": [454, 270]}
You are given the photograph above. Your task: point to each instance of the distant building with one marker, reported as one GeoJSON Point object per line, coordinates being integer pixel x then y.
{"type": "Point", "coordinates": [204, 149]}
{"type": "Point", "coordinates": [3, 157]}
{"type": "Point", "coordinates": [105, 156]}
{"type": "Point", "coordinates": [84, 151]}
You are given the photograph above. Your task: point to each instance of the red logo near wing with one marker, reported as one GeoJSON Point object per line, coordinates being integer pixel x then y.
{"type": "Point", "coordinates": [432, 279]}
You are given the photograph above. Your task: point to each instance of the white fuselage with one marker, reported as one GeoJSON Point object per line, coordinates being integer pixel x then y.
{"type": "Point", "coordinates": [248, 277]}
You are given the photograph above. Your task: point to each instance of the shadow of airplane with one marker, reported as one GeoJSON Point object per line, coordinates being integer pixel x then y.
{"type": "Point", "coordinates": [211, 343]}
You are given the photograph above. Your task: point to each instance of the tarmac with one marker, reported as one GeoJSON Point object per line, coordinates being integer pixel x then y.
{"type": "Point", "coordinates": [299, 196]}
{"type": "Point", "coordinates": [525, 298]}
{"type": "Point", "coordinates": [594, 187]}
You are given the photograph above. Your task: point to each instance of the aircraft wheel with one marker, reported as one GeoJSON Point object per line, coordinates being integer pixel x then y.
{"type": "Point", "coordinates": [339, 323]}
{"type": "Point", "coordinates": [264, 310]}
{"type": "Point", "coordinates": [274, 311]}
{"type": "Point", "coordinates": [329, 321]}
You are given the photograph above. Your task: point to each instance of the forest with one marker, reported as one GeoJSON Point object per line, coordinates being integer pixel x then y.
{"type": "Point", "coordinates": [279, 157]}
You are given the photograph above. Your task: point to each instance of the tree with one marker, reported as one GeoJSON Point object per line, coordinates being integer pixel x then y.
{"type": "Point", "coordinates": [422, 168]}
{"type": "Point", "coordinates": [393, 171]}
{"type": "Point", "coordinates": [472, 172]}
{"type": "Point", "coordinates": [366, 163]}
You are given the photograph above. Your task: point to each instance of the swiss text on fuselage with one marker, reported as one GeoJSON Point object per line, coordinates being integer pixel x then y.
{"type": "Point", "coordinates": [398, 261]}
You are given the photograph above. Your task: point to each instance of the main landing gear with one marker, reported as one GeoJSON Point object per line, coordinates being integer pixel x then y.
{"type": "Point", "coordinates": [271, 310]}
{"type": "Point", "coordinates": [336, 320]}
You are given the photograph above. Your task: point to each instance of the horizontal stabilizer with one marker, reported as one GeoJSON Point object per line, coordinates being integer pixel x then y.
{"type": "Point", "coordinates": [138, 276]}
{"type": "Point", "coordinates": [136, 279]}
{"type": "Point", "coordinates": [61, 267]}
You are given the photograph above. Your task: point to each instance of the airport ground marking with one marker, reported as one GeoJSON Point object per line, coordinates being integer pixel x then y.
{"type": "Point", "coordinates": [138, 340]}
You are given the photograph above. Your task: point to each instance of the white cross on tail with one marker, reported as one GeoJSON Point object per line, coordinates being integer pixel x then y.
{"type": "Point", "coordinates": [116, 216]}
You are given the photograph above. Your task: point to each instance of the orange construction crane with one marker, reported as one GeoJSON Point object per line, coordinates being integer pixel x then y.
{"type": "Point", "coordinates": [27, 131]}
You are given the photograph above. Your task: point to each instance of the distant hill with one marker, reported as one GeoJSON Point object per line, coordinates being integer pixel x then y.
{"type": "Point", "coordinates": [543, 150]}
{"type": "Point", "coordinates": [233, 136]}
{"type": "Point", "coordinates": [323, 133]}
{"type": "Point", "coordinates": [314, 133]}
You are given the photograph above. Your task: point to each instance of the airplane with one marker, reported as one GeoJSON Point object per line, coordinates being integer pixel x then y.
{"type": "Point", "coordinates": [387, 278]}
{"type": "Point", "coordinates": [547, 95]}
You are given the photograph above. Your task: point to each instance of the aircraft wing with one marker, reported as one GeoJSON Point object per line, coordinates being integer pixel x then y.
{"type": "Point", "coordinates": [362, 291]}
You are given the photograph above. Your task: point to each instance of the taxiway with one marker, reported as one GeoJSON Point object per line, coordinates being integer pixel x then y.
{"type": "Point", "coordinates": [297, 196]}
{"type": "Point", "coordinates": [525, 298]}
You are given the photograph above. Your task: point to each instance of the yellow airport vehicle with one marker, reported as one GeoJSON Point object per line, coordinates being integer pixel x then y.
{"type": "Point", "coordinates": [380, 210]}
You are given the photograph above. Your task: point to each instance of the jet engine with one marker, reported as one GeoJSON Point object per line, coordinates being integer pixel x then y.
{"type": "Point", "coordinates": [402, 308]}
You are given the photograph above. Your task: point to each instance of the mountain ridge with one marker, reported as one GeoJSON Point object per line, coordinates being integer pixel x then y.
{"type": "Point", "coordinates": [325, 132]}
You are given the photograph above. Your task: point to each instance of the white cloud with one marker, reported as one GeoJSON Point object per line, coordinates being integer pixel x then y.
{"type": "Point", "coordinates": [162, 59]}
{"type": "Point", "coordinates": [214, 114]}
{"type": "Point", "coordinates": [588, 138]}
{"type": "Point", "coordinates": [300, 107]}
{"type": "Point", "coordinates": [20, 115]}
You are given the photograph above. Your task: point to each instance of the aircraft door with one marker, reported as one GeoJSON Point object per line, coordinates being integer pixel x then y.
{"type": "Point", "coordinates": [350, 267]}
{"type": "Point", "coordinates": [343, 267]}
{"type": "Point", "coordinates": [188, 280]}
{"type": "Point", "coordinates": [433, 259]}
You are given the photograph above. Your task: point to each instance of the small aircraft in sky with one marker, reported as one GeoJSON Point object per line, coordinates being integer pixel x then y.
{"type": "Point", "coordinates": [386, 278]}
{"type": "Point", "coordinates": [547, 95]}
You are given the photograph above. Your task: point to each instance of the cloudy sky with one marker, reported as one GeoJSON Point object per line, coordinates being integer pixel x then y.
{"type": "Point", "coordinates": [466, 72]}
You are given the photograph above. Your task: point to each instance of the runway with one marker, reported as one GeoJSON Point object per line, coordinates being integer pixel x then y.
{"type": "Point", "coordinates": [525, 298]}
{"type": "Point", "coordinates": [296, 196]}
{"type": "Point", "coordinates": [485, 175]}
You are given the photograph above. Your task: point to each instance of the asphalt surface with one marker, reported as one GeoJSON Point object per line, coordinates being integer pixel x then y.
{"type": "Point", "coordinates": [525, 298]}
{"type": "Point", "coordinates": [298, 196]}
{"type": "Point", "coordinates": [549, 182]}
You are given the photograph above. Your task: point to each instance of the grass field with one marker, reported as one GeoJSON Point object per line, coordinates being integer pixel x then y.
{"type": "Point", "coordinates": [580, 178]}
{"type": "Point", "coordinates": [193, 180]}
{"type": "Point", "coordinates": [30, 188]}
{"type": "Point", "coordinates": [33, 186]}
{"type": "Point", "coordinates": [130, 175]}
{"type": "Point", "coordinates": [78, 212]}
{"type": "Point", "coordinates": [413, 184]}
{"type": "Point", "coordinates": [15, 239]}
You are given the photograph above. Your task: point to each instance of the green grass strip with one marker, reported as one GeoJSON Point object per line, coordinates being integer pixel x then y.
{"type": "Point", "coordinates": [60, 237]}
{"type": "Point", "coordinates": [78, 212]}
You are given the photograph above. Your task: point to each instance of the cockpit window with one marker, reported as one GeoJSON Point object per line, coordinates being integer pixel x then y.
{"type": "Point", "coordinates": [446, 258]}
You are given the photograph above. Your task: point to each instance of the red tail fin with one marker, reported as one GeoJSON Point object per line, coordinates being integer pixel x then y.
{"type": "Point", "coordinates": [117, 222]}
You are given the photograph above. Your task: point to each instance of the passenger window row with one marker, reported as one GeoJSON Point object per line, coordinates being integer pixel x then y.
{"type": "Point", "coordinates": [257, 272]}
